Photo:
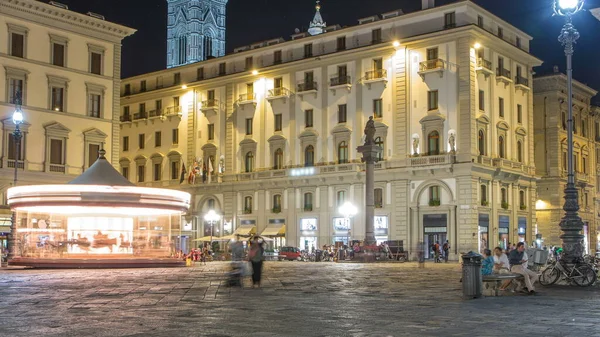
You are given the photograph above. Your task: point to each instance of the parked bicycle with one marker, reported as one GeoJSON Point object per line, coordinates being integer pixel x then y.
{"type": "Point", "coordinates": [582, 274]}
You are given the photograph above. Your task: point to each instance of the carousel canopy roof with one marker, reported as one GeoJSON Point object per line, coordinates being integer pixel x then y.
{"type": "Point", "coordinates": [101, 173]}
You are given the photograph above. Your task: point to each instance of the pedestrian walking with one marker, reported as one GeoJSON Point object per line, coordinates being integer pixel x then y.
{"type": "Point", "coordinates": [255, 255]}
{"type": "Point", "coordinates": [446, 249]}
{"type": "Point", "coordinates": [436, 251]}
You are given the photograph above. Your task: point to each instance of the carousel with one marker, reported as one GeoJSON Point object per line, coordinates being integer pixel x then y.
{"type": "Point", "coordinates": [98, 220]}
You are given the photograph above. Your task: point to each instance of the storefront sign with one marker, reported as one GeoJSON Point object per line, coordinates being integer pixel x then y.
{"type": "Point", "coordinates": [309, 224]}
{"type": "Point", "coordinates": [381, 225]}
{"type": "Point", "coordinates": [341, 224]}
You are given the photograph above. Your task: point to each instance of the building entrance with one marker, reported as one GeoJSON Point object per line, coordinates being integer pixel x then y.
{"type": "Point", "coordinates": [435, 229]}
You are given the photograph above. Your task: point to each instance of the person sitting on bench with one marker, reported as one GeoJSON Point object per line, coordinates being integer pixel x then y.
{"type": "Point", "coordinates": [487, 265]}
{"type": "Point", "coordinates": [518, 266]}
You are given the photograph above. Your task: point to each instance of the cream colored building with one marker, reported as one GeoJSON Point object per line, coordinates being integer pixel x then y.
{"type": "Point", "coordinates": [67, 66]}
{"type": "Point", "coordinates": [449, 88]}
{"type": "Point", "coordinates": [550, 102]}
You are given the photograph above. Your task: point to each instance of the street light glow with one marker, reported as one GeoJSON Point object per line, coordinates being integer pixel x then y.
{"type": "Point", "coordinates": [184, 87]}
{"type": "Point", "coordinates": [254, 72]}
{"type": "Point", "coordinates": [17, 117]}
{"type": "Point", "coordinates": [477, 45]}
{"type": "Point", "coordinates": [348, 210]}
{"type": "Point", "coordinates": [396, 44]}
{"type": "Point", "coordinates": [212, 216]}
{"type": "Point", "coordinates": [567, 4]}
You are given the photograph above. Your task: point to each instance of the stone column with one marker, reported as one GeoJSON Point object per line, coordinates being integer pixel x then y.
{"type": "Point", "coordinates": [370, 153]}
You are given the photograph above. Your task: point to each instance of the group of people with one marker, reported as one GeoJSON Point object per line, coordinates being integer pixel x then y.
{"type": "Point", "coordinates": [440, 252]}
{"type": "Point", "coordinates": [516, 262]}
{"type": "Point", "coordinates": [196, 254]}
{"type": "Point", "coordinates": [255, 257]}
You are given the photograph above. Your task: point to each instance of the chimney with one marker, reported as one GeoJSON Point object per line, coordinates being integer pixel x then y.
{"type": "Point", "coordinates": [555, 69]}
{"type": "Point", "coordinates": [428, 4]}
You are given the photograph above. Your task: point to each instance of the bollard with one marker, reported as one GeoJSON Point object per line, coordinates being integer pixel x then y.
{"type": "Point", "coordinates": [471, 275]}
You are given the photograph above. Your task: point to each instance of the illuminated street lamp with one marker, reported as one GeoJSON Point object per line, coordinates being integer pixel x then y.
{"type": "Point", "coordinates": [211, 217]}
{"type": "Point", "coordinates": [348, 211]}
{"type": "Point", "coordinates": [571, 224]}
{"type": "Point", "coordinates": [17, 118]}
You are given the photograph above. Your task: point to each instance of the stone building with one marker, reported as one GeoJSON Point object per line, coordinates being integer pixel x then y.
{"type": "Point", "coordinates": [268, 134]}
{"type": "Point", "coordinates": [195, 31]}
{"type": "Point", "coordinates": [550, 111]}
{"type": "Point", "coordinates": [67, 67]}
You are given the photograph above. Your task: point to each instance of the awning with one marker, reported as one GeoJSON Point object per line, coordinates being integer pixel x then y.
{"type": "Point", "coordinates": [208, 238]}
{"type": "Point", "coordinates": [5, 219]}
{"type": "Point", "coordinates": [245, 230]}
{"type": "Point", "coordinates": [274, 231]}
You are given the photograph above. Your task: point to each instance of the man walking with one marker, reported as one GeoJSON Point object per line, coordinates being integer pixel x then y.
{"type": "Point", "coordinates": [518, 263]}
{"type": "Point", "coordinates": [446, 249]}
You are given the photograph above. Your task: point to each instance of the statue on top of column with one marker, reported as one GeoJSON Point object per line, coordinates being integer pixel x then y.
{"type": "Point", "coordinates": [370, 132]}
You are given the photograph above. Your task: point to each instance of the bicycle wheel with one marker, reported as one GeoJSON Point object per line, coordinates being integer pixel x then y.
{"type": "Point", "coordinates": [549, 276]}
{"type": "Point", "coordinates": [584, 276]}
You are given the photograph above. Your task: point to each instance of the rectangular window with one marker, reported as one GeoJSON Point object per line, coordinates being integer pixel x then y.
{"type": "Point", "coordinates": [376, 35]}
{"type": "Point", "coordinates": [126, 143]}
{"type": "Point", "coordinates": [211, 131]}
{"type": "Point", "coordinates": [157, 139]}
{"type": "Point", "coordinates": [481, 100]}
{"type": "Point", "coordinates": [342, 113]}
{"type": "Point", "coordinates": [519, 113]}
{"type": "Point", "coordinates": [56, 152]}
{"type": "Point", "coordinates": [58, 54]}
{"type": "Point", "coordinates": [176, 101]}
{"type": "Point", "coordinates": [141, 173]}
{"type": "Point", "coordinates": [449, 20]}
{"type": "Point", "coordinates": [200, 74]}
{"type": "Point", "coordinates": [432, 100]}
{"type": "Point", "coordinates": [278, 122]}
{"type": "Point", "coordinates": [158, 105]}
{"type": "Point", "coordinates": [597, 131]}
{"type": "Point", "coordinates": [500, 32]}
{"type": "Point", "coordinates": [177, 78]}
{"type": "Point", "coordinates": [341, 43]}
{"type": "Point", "coordinates": [222, 69]}
{"type": "Point", "coordinates": [127, 90]}
{"type": "Point", "coordinates": [501, 107]}
{"type": "Point", "coordinates": [94, 105]}
{"type": "Point", "coordinates": [278, 83]}
{"type": "Point", "coordinates": [434, 193]}
{"type": "Point", "coordinates": [93, 153]}
{"type": "Point", "coordinates": [142, 108]}
{"type": "Point", "coordinates": [249, 126]}
{"type": "Point", "coordinates": [277, 59]}
{"type": "Point", "coordinates": [341, 198]}
{"type": "Point", "coordinates": [17, 46]}
{"type": "Point", "coordinates": [480, 21]}
{"type": "Point", "coordinates": [174, 170]}
{"type": "Point", "coordinates": [175, 136]}
{"type": "Point", "coordinates": [308, 50]}
{"type": "Point", "coordinates": [378, 198]}
{"type": "Point", "coordinates": [143, 86]}
{"type": "Point", "coordinates": [308, 118]}
{"type": "Point", "coordinates": [432, 54]}
{"type": "Point", "coordinates": [58, 99]}
{"type": "Point", "coordinates": [157, 172]}
{"type": "Point", "coordinates": [377, 64]}
{"type": "Point", "coordinates": [125, 172]}
{"type": "Point", "coordinates": [15, 89]}
{"type": "Point", "coordinates": [378, 108]}
{"type": "Point", "coordinates": [141, 141]}
{"type": "Point", "coordinates": [210, 95]}
{"type": "Point", "coordinates": [500, 63]}
{"type": "Point", "coordinates": [518, 42]}
{"type": "Point", "coordinates": [249, 63]}
{"type": "Point", "coordinates": [96, 63]}
{"type": "Point", "coordinates": [12, 148]}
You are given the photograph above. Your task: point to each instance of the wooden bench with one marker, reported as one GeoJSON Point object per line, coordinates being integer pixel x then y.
{"type": "Point", "coordinates": [498, 279]}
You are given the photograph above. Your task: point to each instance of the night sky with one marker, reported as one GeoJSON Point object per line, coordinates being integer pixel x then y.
{"type": "Point", "coordinates": [251, 21]}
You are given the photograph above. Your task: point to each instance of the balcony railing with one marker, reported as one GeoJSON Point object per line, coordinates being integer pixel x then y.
{"type": "Point", "coordinates": [126, 118]}
{"type": "Point", "coordinates": [279, 92]}
{"type": "Point", "coordinates": [442, 159]}
{"type": "Point", "coordinates": [376, 74]}
{"type": "Point", "coordinates": [483, 63]}
{"type": "Point", "coordinates": [340, 80]}
{"type": "Point", "coordinates": [173, 110]}
{"type": "Point", "coordinates": [156, 113]}
{"type": "Point", "coordinates": [501, 72]}
{"type": "Point", "coordinates": [11, 164]}
{"type": "Point", "coordinates": [307, 86]}
{"type": "Point", "coordinates": [247, 97]}
{"type": "Point", "coordinates": [210, 104]}
{"type": "Point", "coordinates": [140, 115]}
{"type": "Point", "coordinates": [431, 65]}
{"type": "Point", "coordinates": [520, 80]}
{"type": "Point", "coordinates": [450, 25]}
{"type": "Point", "coordinates": [57, 168]}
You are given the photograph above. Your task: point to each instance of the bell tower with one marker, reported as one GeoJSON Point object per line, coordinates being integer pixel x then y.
{"type": "Point", "coordinates": [195, 31]}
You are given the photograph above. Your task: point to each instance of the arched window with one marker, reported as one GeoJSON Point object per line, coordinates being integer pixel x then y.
{"type": "Point", "coordinates": [483, 196]}
{"type": "Point", "coordinates": [501, 147]}
{"type": "Point", "coordinates": [276, 203]}
{"type": "Point", "coordinates": [182, 50]}
{"type": "Point", "coordinates": [519, 152]}
{"type": "Point", "coordinates": [378, 197]}
{"type": "Point", "coordinates": [379, 142]}
{"type": "Point", "coordinates": [278, 159]}
{"type": "Point", "coordinates": [309, 156]}
{"type": "Point", "coordinates": [522, 204]}
{"type": "Point", "coordinates": [503, 198]}
{"type": "Point", "coordinates": [208, 46]}
{"type": "Point", "coordinates": [248, 205]}
{"type": "Point", "coordinates": [343, 153]}
{"type": "Point", "coordinates": [308, 202]}
{"type": "Point", "coordinates": [434, 196]}
{"type": "Point", "coordinates": [433, 140]}
{"type": "Point", "coordinates": [341, 198]}
{"type": "Point", "coordinates": [481, 143]}
{"type": "Point", "coordinates": [211, 203]}
{"type": "Point", "coordinates": [249, 161]}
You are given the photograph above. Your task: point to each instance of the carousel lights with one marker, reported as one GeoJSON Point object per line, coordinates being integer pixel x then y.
{"type": "Point", "coordinates": [57, 189]}
{"type": "Point", "coordinates": [104, 211]}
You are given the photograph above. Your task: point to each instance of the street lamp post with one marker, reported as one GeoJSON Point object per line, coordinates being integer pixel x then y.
{"type": "Point", "coordinates": [17, 135]}
{"type": "Point", "coordinates": [212, 217]}
{"type": "Point", "coordinates": [571, 224]}
{"type": "Point", "coordinates": [348, 211]}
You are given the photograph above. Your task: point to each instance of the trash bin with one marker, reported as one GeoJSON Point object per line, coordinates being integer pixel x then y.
{"type": "Point", "coordinates": [471, 275]}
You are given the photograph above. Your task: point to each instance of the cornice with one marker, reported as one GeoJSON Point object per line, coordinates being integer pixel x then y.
{"type": "Point", "coordinates": [55, 14]}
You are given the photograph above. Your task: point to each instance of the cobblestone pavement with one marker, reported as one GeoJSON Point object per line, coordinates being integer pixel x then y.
{"type": "Point", "coordinates": [297, 299]}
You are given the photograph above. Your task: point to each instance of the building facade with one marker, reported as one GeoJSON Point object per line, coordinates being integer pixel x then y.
{"type": "Point", "coordinates": [195, 31]}
{"type": "Point", "coordinates": [268, 134]}
{"type": "Point", "coordinates": [66, 67]}
{"type": "Point", "coordinates": [551, 111]}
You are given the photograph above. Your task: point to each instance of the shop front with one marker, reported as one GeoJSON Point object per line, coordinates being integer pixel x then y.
{"type": "Point", "coordinates": [276, 231]}
{"type": "Point", "coordinates": [246, 228]}
{"type": "Point", "coordinates": [503, 231]}
{"type": "Point", "coordinates": [484, 230]}
{"type": "Point", "coordinates": [308, 234]}
{"type": "Point", "coordinates": [522, 230]}
{"type": "Point", "coordinates": [5, 221]}
{"type": "Point", "coordinates": [381, 228]}
{"type": "Point", "coordinates": [435, 229]}
{"type": "Point", "coordinates": [341, 231]}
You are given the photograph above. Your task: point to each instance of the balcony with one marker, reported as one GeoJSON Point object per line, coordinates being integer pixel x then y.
{"type": "Point", "coordinates": [11, 164]}
{"type": "Point", "coordinates": [484, 67]}
{"type": "Point", "coordinates": [307, 87]}
{"type": "Point", "coordinates": [126, 118]}
{"type": "Point", "coordinates": [279, 93]}
{"type": "Point", "coordinates": [156, 113]}
{"type": "Point", "coordinates": [210, 107]}
{"type": "Point", "coordinates": [173, 110]}
{"type": "Point", "coordinates": [436, 160]}
{"type": "Point", "coordinates": [247, 99]}
{"type": "Point", "coordinates": [522, 83]}
{"type": "Point", "coordinates": [56, 168]}
{"type": "Point", "coordinates": [140, 115]}
{"type": "Point", "coordinates": [512, 165]}
{"type": "Point", "coordinates": [375, 76]}
{"type": "Point", "coordinates": [340, 82]}
{"type": "Point", "coordinates": [503, 75]}
{"type": "Point", "coordinates": [432, 66]}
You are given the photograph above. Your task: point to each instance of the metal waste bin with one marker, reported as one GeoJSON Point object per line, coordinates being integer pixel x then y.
{"type": "Point", "coordinates": [471, 275]}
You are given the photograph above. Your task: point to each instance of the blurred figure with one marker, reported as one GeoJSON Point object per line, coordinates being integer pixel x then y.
{"type": "Point", "coordinates": [255, 255]}
{"type": "Point", "coordinates": [421, 254]}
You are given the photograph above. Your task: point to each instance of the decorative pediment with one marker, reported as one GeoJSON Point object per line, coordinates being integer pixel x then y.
{"type": "Point", "coordinates": [209, 147]}
{"type": "Point", "coordinates": [381, 129]}
{"type": "Point", "coordinates": [341, 128]}
{"type": "Point", "coordinates": [276, 138]}
{"type": "Point", "coordinates": [56, 129]}
{"type": "Point", "coordinates": [435, 117]}
{"type": "Point", "coordinates": [502, 125]}
{"type": "Point", "coordinates": [174, 154]}
{"type": "Point", "coordinates": [140, 160]}
{"type": "Point", "coordinates": [9, 125]}
{"type": "Point", "coordinates": [308, 132]}
{"type": "Point", "coordinates": [483, 118]}
{"type": "Point", "coordinates": [521, 131]}
{"type": "Point", "coordinates": [124, 161]}
{"type": "Point", "coordinates": [247, 142]}
{"type": "Point", "coordinates": [156, 156]}
{"type": "Point", "coordinates": [94, 134]}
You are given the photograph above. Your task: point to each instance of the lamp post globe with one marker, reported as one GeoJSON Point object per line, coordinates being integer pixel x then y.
{"type": "Point", "coordinates": [211, 217]}
{"type": "Point", "coordinates": [17, 117]}
{"type": "Point", "coordinates": [567, 7]}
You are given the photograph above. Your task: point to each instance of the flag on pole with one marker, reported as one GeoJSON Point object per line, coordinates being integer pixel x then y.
{"type": "Point", "coordinates": [210, 170]}
{"type": "Point", "coordinates": [183, 172]}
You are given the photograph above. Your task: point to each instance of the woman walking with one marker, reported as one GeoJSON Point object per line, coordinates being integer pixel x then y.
{"type": "Point", "coordinates": [255, 255]}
